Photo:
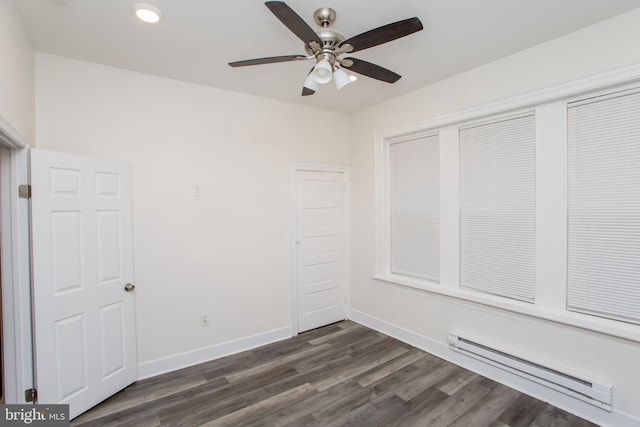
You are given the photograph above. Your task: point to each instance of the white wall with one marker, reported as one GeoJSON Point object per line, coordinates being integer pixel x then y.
{"type": "Point", "coordinates": [604, 46]}
{"type": "Point", "coordinates": [17, 100]}
{"type": "Point", "coordinates": [226, 252]}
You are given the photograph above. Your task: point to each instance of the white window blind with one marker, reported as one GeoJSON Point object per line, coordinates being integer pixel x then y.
{"type": "Point", "coordinates": [604, 206]}
{"type": "Point", "coordinates": [414, 186]}
{"type": "Point", "coordinates": [497, 207]}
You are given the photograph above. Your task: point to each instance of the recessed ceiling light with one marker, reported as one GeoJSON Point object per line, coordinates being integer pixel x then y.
{"type": "Point", "coordinates": [147, 13]}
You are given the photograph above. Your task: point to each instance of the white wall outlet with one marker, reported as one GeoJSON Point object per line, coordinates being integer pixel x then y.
{"type": "Point", "coordinates": [204, 319]}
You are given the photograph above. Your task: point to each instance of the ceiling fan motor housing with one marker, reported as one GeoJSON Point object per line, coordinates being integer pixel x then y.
{"type": "Point", "coordinates": [325, 16]}
{"type": "Point", "coordinates": [330, 37]}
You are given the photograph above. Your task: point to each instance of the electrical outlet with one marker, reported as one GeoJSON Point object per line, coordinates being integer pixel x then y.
{"type": "Point", "coordinates": [204, 319]}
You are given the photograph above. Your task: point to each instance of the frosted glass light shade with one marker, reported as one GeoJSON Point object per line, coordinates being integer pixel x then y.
{"type": "Point", "coordinates": [341, 78]}
{"type": "Point", "coordinates": [322, 72]}
{"type": "Point", "coordinates": [311, 83]}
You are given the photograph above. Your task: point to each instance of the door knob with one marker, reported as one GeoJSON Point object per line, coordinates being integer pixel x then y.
{"type": "Point", "coordinates": [129, 287]}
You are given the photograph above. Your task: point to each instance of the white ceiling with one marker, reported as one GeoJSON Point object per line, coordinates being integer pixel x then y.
{"type": "Point", "coordinates": [197, 38]}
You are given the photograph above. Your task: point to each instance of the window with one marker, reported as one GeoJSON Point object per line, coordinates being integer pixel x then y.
{"type": "Point", "coordinates": [497, 207]}
{"type": "Point", "coordinates": [530, 205]}
{"type": "Point", "coordinates": [414, 193]}
{"type": "Point", "coordinates": [603, 273]}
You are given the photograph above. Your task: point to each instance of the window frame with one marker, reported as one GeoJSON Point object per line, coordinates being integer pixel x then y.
{"type": "Point", "coordinates": [550, 105]}
{"type": "Point", "coordinates": [610, 93]}
{"type": "Point", "coordinates": [426, 139]}
{"type": "Point", "coordinates": [499, 119]}
{"type": "Point", "coordinates": [383, 258]}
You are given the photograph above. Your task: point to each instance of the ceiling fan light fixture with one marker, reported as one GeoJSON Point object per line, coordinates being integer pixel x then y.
{"type": "Point", "coordinates": [147, 13]}
{"type": "Point", "coordinates": [322, 72]}
{"type": "Point", "coordinates": [341, 78]}
{"type": "Point", "coordinates": [311, 83]}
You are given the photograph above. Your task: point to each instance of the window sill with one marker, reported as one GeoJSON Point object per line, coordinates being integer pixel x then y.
{"type": "Point", "coordinates": [609, 327]}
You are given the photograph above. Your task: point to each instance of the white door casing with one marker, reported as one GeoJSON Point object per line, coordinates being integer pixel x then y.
{"type": "Point", "coordinates": [82, 257]}
{"type": "Point", "coordinates": [320, 248]}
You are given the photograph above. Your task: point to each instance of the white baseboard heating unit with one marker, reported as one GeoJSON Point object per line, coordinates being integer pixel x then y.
{"type": "Point", "coordinates": [600, 395]}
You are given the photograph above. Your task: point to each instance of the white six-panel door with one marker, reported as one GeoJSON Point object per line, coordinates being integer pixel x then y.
{"type": "Point", "coordinates": [85, 344]}
{"type": "Point", "coordinates": [320, 251]}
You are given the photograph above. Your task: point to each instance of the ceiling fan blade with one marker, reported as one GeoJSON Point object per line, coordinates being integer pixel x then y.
{"type": "Point", "coordinates": [384, 34]}
{"type": "Point", "coordinates": [269, 60]}
{"type": "Point", "coordinates": [293, 21]}
{"type": "Point", "coordinates": [372, 70]}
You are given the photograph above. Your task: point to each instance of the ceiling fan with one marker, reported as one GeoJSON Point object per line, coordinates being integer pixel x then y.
{"type": "Point", "coordinates": [328, 47]}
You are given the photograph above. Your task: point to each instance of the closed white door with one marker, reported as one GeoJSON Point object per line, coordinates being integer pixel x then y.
{"type": "Point", "coordinates": [320, 248]}
{"type": "Point", "coordinates": [85, 344]}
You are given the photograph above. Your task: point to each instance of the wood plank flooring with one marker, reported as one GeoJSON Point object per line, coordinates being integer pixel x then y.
{"type": "Point", "coordinates": [340, 375]}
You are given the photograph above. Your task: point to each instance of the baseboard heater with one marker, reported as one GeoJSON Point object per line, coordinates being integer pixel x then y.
{"type": "Point", "coordinates": [600, 395]}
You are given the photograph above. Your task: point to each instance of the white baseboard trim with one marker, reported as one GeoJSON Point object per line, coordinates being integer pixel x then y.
{"type": "Point", "coordinates": [190, 358]}
{"type": "Point", "coordinates": [555, 398]}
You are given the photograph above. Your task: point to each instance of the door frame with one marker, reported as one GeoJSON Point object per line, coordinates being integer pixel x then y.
{"type": "Point", "coordinates": [295, 167]}
{"type": "Point", "coordinates": [16, 288]}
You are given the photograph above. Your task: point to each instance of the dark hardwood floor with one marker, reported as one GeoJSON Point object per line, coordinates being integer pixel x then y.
{"type": "Point", "coordinates": [340, 375]}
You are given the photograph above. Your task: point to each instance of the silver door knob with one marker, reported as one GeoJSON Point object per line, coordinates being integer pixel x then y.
{"type": "Point", "coordinates": [129, 287]}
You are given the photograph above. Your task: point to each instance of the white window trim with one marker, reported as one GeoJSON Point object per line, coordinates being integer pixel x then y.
{"type": "Point", "coordinates": [551, 260]}
{"type": "Point", "coordinates": [383, 239]}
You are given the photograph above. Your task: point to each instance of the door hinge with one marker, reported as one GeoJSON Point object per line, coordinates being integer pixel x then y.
{"type": "Point", "coordinates": [31, 395]}
{"type": "Point", "coordinates": [24, 191]}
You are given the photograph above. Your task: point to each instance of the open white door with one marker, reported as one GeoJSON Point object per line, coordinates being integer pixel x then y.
{"type": "Point", "coordinates": [82, 261]}
{"type": "Point", "coordinates": [320, 252]}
